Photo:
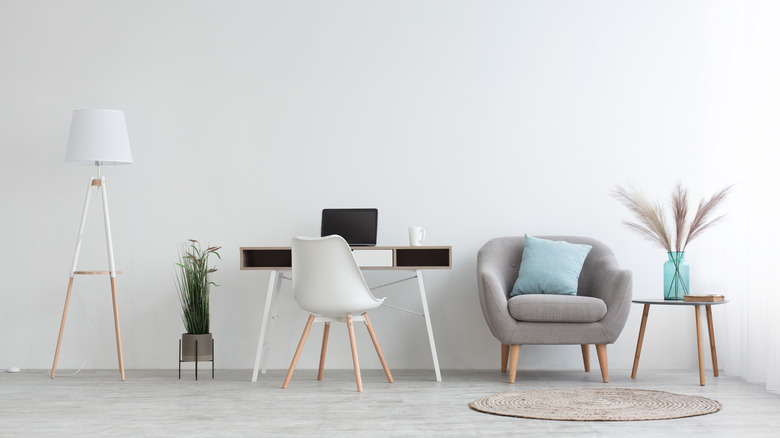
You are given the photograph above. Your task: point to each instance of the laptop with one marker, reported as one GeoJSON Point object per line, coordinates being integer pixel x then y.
{"type": "Point", "coordinates": [356, 225]}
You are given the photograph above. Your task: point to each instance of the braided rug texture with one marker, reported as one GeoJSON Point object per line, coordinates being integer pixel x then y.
{"type": "Point", "coordinates": [595, 404]}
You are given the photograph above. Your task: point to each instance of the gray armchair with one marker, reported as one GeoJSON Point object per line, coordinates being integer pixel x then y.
{"type": "Point", "coordinates": [596, 315]}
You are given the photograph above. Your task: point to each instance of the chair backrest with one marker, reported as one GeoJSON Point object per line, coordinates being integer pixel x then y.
{"type": "Point", "coordinates": [326, 279]}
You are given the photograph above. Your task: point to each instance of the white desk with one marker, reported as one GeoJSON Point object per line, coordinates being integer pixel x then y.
{"type": "Point", "coordinates": [404, 258]}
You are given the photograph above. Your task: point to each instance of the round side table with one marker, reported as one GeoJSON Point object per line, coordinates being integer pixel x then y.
{"type": "Point", "coordinates": [696, 307]}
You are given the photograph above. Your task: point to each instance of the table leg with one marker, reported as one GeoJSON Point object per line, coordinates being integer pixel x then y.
{"type": "Point", "coordinates": [697, 312]}
{"type": "Point", "coordinates": [424, 300]}
{"type": "Point", "coordinates": [712, 341]}
{"type": "Point", "coordinates": [642, 326]}
{"type": "Point", "coordinates": [264, 323]}
{"type": "Point", "coordinates": [272, 320]}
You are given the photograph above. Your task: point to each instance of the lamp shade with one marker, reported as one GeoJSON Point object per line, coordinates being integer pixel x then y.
{"type": "Point", "coordinates": [98, 135]}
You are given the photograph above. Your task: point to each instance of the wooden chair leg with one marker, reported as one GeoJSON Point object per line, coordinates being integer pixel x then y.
{"type": "Point", "coordinates": [378, 348]}
{"type": "Point", "coordinates": [298, 351]}
{"type": "Point", "coordinates": [586, 356]}
{"type": "Point", "coordinates": [514, 355]}
{"type": "Point", "coordinates": [601, 351]}
{"type": "Point", "coordinates": [325, 332]}
{"type": "Point", "coordinates": [504, 356]}
{"type": "Point", "coordinates": [352, 344]}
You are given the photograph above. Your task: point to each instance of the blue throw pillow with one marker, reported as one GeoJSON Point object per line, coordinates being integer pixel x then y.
{"type": "Point", "coordinates": [550, 267]}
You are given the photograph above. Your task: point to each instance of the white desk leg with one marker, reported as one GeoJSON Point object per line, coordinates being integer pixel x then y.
{"type": "Point", "coordinates": [424, 300]}
{"type": "Point", "coordinates": [272, 319]}
{"type": "Point", "coordinates": [266, 312]}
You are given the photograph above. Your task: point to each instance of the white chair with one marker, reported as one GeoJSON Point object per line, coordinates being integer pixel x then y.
{"type": "Point", "coordinates": [327, 282]}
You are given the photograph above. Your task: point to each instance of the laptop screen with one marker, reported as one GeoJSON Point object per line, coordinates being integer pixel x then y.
{"type": "Point", "coordinates": [356, 225]}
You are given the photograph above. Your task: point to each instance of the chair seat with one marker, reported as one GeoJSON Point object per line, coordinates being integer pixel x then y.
{"type": "Point", "coordinates": [556, 308]}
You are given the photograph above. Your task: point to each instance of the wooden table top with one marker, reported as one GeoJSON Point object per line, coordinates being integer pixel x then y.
{"type": "Point", "coordinates": [679, 302]}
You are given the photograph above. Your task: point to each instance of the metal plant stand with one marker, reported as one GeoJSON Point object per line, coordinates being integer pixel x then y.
{"type": "Point", "coordinates": [196, 359]}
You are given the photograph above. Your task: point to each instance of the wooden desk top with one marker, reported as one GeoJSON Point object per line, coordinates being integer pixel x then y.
{"type": "Point", "coordinates": [403, 257]}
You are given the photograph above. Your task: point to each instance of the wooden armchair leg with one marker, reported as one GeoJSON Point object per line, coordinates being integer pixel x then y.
{"type": "Point", "coordinates": [601, 351]}
{"type": "Point", "coordinates": [514, 355]}
{"type": "Point", "coordinates": [298, 351]}
{"type": "Point", "coordinates": [586, 356]}
{"type": "Point", "coordinates": [504, 356]}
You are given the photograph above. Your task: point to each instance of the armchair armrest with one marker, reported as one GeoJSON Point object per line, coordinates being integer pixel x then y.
{"type": "Point", "coordinates": [614, 287]}
{"type": "Point", "coordinates": [493, 299]}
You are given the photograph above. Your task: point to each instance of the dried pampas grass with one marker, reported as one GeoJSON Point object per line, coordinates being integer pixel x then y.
{"type": "Point", "coordinates": [651, 221]}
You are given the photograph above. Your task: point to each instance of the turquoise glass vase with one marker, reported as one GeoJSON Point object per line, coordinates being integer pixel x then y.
{"type": "Point", "coordinates": [676, 276]}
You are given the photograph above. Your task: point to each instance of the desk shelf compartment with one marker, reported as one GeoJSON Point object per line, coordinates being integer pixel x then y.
{"type": "Point", "coordinates": [427, 257]}
{"type": "Point", "coordinates": [266, 258]}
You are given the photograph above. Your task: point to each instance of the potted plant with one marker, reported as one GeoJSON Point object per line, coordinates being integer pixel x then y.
{"type": "Point", "coordinates": [193, 284]}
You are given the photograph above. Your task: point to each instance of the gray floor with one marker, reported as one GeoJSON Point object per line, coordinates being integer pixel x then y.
{"type": "Point", "coordinates": [156, 403]}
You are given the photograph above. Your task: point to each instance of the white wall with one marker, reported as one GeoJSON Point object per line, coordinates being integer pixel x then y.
{"type": "Point", "coordinates": [473, 119]}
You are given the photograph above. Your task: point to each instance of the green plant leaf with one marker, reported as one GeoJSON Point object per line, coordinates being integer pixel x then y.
{"type": "Point", "coordinates": [193, 284]}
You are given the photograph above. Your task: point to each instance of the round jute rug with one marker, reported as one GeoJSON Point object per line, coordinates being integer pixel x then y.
{"type": "Point", "coordinates": [595, 404]}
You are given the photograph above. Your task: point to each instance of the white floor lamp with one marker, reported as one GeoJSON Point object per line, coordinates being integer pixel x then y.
{"type": "Point", "coordinates": [97, 136]}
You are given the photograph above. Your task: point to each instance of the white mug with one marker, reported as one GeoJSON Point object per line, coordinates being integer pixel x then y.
{"type": "Point", "coordinates": [416, 236]}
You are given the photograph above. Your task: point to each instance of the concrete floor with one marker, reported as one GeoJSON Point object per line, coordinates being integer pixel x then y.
{"type": "Point", "coordinates": [156, 403]}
